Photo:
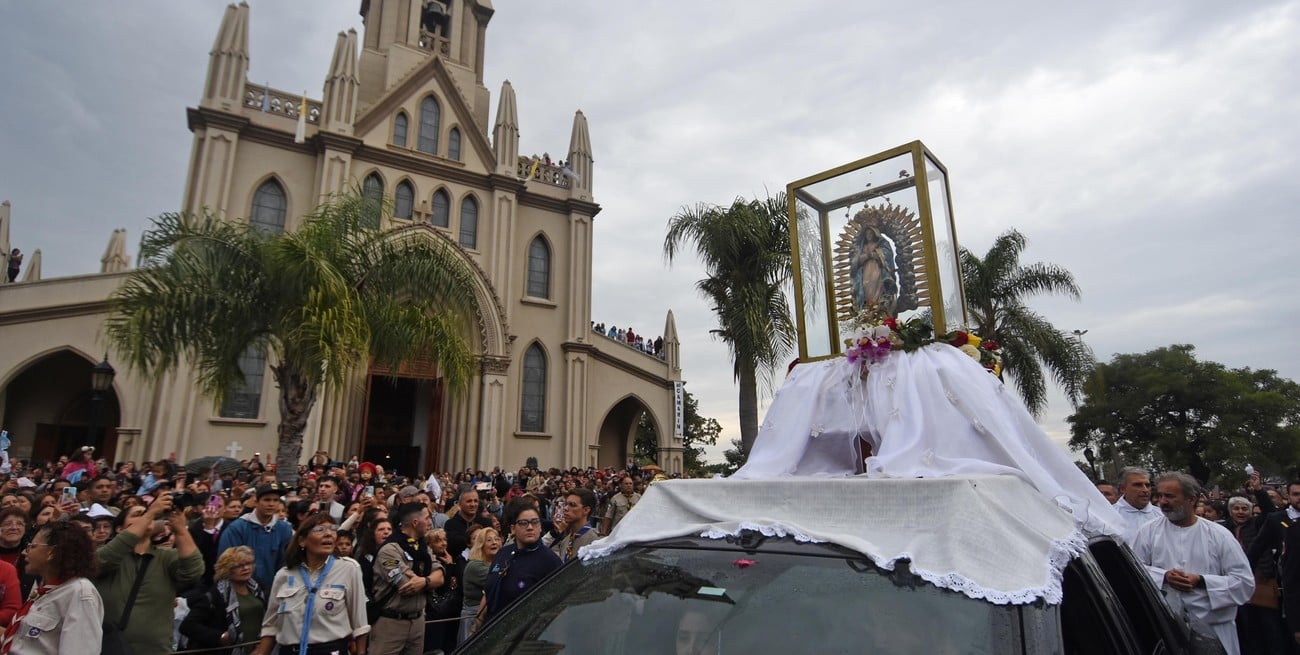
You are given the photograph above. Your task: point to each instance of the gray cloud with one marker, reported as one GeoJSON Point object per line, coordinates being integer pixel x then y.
{"type": "Point", "coordinates": [1146, 148]}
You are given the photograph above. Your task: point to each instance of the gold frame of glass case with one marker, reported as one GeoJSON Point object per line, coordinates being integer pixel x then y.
{"type": "Point", "coordinates": [887, 237]}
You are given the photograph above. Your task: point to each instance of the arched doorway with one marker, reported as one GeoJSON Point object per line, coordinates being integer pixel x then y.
{"type": "Point", "coordinates": [618, 431]}
{"type": "Point", "coordinates": [49, 409]}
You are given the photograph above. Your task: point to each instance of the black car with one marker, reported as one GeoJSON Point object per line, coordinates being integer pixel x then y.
{"type": "Point", "coordinates": [751, 594]}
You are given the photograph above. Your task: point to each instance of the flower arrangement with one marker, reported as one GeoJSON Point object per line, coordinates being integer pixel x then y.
{"type": "Point", "coordinates": [879, 334]}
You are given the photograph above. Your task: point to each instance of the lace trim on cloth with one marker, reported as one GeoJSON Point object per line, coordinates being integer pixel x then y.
{"type": "Point", "coordinates": [991, 538]}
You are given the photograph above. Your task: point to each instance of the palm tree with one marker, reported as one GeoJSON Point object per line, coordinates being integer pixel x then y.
{"type": "Point", "coordinates": [745, 249]}
{"type": "Point", "coordinates": [319, 302]}
{"type": "Point", "coordinates": [997, 287]}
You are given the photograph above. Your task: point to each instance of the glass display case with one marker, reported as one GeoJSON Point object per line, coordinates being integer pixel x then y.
{"type": "Point", "coordinates": [876, 233]}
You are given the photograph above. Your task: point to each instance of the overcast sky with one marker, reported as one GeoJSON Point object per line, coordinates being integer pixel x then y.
{"type": "Point", "coordinates": [1149, 148]}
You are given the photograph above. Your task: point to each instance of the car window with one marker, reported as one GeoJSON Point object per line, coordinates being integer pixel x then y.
{"type": "Point", "coordinates": [1145, 610]}
{"type": "Point", "coordinates": [671, 601]}
{"type": "Point", "coordinates": [1091, 621]}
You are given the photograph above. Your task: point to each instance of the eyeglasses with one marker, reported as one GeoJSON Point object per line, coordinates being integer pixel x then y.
{"type": "Point", "coordinates": [322, 529]}
{"type": "Point", "coordinates": [528, 523]}
{"type": "Point", "coordinates": [36, 545]}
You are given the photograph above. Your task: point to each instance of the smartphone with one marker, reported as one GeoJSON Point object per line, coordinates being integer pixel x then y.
{"type": "Point", "coordinates": [368, 492]}
{"type": "Point", "coordinates": [69, 495]}
{"type": "Point", "coordinates": [214, 501]}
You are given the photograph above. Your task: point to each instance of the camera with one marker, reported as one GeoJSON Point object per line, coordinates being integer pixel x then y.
{"type": "Point", "coordinates": [186, 499]}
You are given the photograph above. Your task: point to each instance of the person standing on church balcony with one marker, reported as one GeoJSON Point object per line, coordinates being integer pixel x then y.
{"type": "Point", "coordinates": [15, 263]}
{"type": "Point", "coordinates": [1198, 565]}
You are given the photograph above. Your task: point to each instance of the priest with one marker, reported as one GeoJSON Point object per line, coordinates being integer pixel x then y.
{"type": "Point", "coordinates": [1198, 565]}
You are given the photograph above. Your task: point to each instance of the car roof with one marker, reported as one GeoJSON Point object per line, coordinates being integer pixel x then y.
{"type": "Point", "coordinates": [993, 537]}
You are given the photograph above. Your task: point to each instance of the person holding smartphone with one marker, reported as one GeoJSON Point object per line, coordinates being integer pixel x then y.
{"type": "Point", "coordinates": [206, 530]}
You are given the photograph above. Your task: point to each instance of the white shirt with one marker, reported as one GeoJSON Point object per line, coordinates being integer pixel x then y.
{"type": "Point", "coordinates": [1210, 551]}
{"type": "Point", "coordinates": [67, 619]}
{"type": "Point", "coordinates": [1134, 518]}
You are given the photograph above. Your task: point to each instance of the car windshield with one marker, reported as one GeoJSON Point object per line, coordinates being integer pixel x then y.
{"type": "Point", "coordinates": [674, 601]}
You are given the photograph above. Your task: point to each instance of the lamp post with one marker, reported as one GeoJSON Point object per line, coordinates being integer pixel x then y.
{"type": "Point", "coordinates": [1092, 461]}
{"type": "Point", "coordinates": [101, 380]}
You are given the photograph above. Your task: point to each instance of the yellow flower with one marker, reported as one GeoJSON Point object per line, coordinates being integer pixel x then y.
{"type": "Point", "coordinates": [971, 351]}
{"type": "Point", "coordinates": [974, 340]}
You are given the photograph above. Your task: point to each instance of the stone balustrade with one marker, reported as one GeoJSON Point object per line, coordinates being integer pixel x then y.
{"type": "Point", "coordinates": [546, 173]}
{"type": "Point", "coordinates": [258, 97]}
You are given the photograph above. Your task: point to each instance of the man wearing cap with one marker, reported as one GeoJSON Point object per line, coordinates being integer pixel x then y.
{"type": "Point", "coordinates": [405, 574]}
{"type": "Point", "coordinates": [262, 531]}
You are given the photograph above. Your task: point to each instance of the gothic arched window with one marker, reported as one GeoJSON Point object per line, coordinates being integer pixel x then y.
{"type": "Point", "coordinates": [404, 200]}
{"type": "Point", "coordinates": [469, 222]}
{"type": "Point", "coordinates": [441, 215]}
{"type": "Point", "coordinates": [245, 400]}
{"type": "Point", "coordinates": [539, 269]}
{"type": "Point", "coordinates": [269, 206]}
{"type": "Point", "coordinates": [430, 115]}
{"type": "Point", "coordinates": [399, 130]}
{"type": "Point", "coordinates": [453, 144]}
{"type": "Point", "coordinates": [532, 405]}
{"type": "Point", "coordinates": [372, 189]}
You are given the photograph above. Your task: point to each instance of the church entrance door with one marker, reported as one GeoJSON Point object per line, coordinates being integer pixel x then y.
{"type": "Point", "coordinates": [403, 421]}
{"type": "Point", "coordinates": [48, 409]}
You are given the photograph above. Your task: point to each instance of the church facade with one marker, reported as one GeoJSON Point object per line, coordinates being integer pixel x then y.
{"type": "Point", "coordinates": [404, 114]}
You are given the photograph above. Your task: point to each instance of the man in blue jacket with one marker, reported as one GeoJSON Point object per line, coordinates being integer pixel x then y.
{"type": "Point", "coordinates": [262, 531]}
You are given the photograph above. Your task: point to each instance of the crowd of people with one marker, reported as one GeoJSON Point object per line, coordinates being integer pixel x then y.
{"type": "Point", "coordinates": [653, 347]}
{"type": "Point", "coordinates": [346, 559]}
{"type": "Point", "coordinates": [1220, 558]}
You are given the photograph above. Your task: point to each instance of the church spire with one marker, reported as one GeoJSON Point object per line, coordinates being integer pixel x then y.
{"type": "Point", "coordinates": [580, 161]}
{"type": "Point", "coordinates": [115, 259]}
{"type": "Point", "coordinates": [341, 86]}
{"type": "Point", "coordinates": [672, 347]}
{"type": "Point", "coordinates": [505, 136]}
{"type": "Point", "coordinates": [228, 61]}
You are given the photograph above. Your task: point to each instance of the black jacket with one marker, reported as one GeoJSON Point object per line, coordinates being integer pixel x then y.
{"type": "Point", "coordinates": [1279, 534]}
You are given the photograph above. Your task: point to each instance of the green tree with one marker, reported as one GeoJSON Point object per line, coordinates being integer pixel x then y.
{"type": "Point", "coordinates": [997, 288]}
{"type": "Point", "coordinates": [745, 249]}
{"type": "Point", "coordinates": [701, 431]}
{"type": "Point", "coordinates": [319, 301]}
{"type": "Point", "coordinates": [1166, 410]}
{"type": "Point", "coordinates": [733, 458]}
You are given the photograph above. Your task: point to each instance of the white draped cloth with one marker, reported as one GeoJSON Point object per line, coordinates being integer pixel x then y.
{"type": "Point", "coordinates": [1206, 549]}
{"type": "Point", "coordinates": [934, 412]}
{"type": "Point", "coordinates": [988, 537]}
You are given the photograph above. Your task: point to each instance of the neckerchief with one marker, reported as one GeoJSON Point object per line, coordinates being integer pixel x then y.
{"type": "Point", "coordinates": [419, 556]}
{"type": "Point", "coordinates": [311, 600]}
{"type": "Point", "coordinates": [570, 540]}
{"type": "Point", "coordinates": [8, 641]}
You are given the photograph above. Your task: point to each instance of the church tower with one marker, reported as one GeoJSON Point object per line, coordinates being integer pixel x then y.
{"type": "Point", "coordinates": [400, 35]}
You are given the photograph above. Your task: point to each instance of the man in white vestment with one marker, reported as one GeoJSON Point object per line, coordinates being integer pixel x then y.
{"type": "Point", "coordinates": [1134, 506]}
{"type": "Point", "coordinates": [1198, 565]}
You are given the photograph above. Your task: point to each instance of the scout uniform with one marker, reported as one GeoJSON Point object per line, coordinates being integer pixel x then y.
{"type": "Point", "coordinates": [46, 627]}
{"type": "Point", "coordinates": [401, 619]}
{"type": "Point", "coordinates": [338, 611]}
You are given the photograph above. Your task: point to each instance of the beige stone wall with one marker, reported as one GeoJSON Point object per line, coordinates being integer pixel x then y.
{"type": "Point", "coordinates": [236, 148]}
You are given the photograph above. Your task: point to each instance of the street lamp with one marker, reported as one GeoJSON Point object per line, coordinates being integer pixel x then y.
{"type": "Point", "coordinates": [101, 380]}
{"type": "Point", "coordinates": [1092, 461]}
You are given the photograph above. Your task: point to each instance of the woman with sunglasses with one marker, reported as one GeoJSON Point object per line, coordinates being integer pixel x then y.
{"type": "Point", "coordinates": [316, 598]}
{"type": "Point", "coordinates": [520, 565]}
{"type": "Point", "coordinates": [66, 614]}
